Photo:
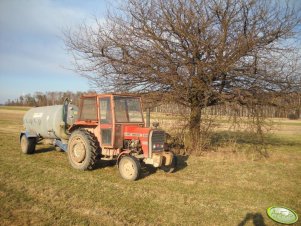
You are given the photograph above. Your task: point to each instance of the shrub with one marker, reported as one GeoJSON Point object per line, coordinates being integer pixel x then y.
{"type": "Point", "coordinates": [293, 116]}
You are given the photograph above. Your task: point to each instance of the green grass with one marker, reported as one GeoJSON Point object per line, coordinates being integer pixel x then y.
{"type": "Point", "coordinates": [216, 189]}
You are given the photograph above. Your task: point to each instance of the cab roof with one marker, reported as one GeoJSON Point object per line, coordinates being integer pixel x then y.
{"type": "Point", "coordinates": [110, 94]}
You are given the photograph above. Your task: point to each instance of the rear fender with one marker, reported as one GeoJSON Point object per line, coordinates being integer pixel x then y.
{"type": "Point", "coordinates": [72, 128]}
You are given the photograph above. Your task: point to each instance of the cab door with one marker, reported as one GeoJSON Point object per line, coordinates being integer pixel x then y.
{"type": "Point", "coordinates": [106, 121]}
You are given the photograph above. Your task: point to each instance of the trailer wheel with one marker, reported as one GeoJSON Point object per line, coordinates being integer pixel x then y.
{"type": "Point", "coordinates": [83, 150]}
{"type": "Point", "coordinates": [28, 145]}
{"type": "Point", "coordinates": [172, 167]}
{"type": "Point", "coordinates": [129, 168]}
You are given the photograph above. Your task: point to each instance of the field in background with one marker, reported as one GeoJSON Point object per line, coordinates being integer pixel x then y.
{"type": "Point", "coordinates": [14, 108]}
{"type": "Point", "coordinates": [226, 136]}
{"type": "Point", "coordinates": [215, 189]}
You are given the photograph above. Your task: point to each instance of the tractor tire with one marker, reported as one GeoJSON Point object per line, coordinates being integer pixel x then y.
{"type": "Point", "coordinates": [83, 150]}
{"type": "Point", "coordinates": [28, 145]}
{"type": "Point", "coordinates": [129, 168]}
{"type": "Point", "coordinates": [172, 167]}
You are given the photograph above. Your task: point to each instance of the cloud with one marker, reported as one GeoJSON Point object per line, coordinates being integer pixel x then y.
{"type": "Point", "coordinates": [31, 34]}
{"type": "Point", "coordinates": [36, 17]}
{"type": "Point", "coordinates": [31, 46]}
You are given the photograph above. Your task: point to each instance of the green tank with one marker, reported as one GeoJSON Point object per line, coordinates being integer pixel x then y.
{"type": "Point", "coordinates": [50, 122]}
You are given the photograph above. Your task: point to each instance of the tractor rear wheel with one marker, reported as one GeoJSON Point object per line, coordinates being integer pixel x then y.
{"type": "Point", "coordinates": [28, 145]}
{"type": "Point", "coordinates": [83, 150]}
{"type": "Point", "coordinates": [129, 168]}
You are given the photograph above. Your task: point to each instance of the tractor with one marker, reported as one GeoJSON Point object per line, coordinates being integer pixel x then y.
{"type": "Point", "coordinates": [107, 127]}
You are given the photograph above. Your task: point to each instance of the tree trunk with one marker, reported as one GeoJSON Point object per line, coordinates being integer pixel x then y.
{"type": "Point", "coordinates": [194, 128]}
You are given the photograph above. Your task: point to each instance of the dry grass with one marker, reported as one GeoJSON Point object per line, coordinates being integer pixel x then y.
{"type": "Point", "coordinates": [214, 189]}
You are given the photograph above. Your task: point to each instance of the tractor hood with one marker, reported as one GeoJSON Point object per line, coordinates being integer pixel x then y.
{"type": "Point", "coordinates": [151, 139]}
{"type": "Point", "coordinates": [136, 132]}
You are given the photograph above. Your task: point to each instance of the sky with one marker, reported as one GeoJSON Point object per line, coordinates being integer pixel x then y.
{"type": "Point", "coordinates": [33, 56]}
{"type": "Point", "coordinates": [32, 52]}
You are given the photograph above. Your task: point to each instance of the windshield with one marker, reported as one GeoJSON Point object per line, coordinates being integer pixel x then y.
{"type": "Point", "coordinates": [127, 109]}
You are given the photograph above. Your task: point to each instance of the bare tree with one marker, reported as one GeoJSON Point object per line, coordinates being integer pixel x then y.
{"type": "Point", "coordinates": [197, 53]}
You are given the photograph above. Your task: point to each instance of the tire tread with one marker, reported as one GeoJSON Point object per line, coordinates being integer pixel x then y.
{"type": "Point", "coordinates": [93, 148]}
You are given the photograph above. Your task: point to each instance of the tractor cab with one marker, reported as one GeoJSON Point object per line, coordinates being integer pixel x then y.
{"type": "Point", "coordinates": [110, 114]}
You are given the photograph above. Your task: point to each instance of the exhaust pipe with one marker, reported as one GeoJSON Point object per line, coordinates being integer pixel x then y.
{"type": "Point", "coordinates": [147, 117]}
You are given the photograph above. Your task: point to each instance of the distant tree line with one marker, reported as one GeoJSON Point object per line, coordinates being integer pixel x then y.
{"type": "Point", "coordinates": [288, 107]}
{"type": "Point", "coordinates": [291, 105]}
{"type": "Point", "coordinates": [226, 110]}
{"type": "Point", "coordinates": [45, 98]}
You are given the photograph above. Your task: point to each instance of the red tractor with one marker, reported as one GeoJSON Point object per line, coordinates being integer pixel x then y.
{"type": "Point", "coordinates": [107, 126]}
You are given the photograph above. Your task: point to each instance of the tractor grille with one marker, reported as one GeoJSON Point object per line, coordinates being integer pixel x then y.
{"type": "Point", "coordinates": [158, 139]}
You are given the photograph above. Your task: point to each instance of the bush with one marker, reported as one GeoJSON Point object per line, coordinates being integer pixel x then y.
{"type": "Point", "coordinates": [293, 116]}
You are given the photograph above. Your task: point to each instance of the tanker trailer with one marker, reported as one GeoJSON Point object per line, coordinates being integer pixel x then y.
{"type": "Point", "coordinates": [50, 122]}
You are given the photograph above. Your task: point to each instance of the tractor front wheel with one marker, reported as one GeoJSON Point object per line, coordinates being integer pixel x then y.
{"type": "Point", "coordinates": [28, 145]}
{"type": "Point", "coordinates": [129, 168]}
{"type": "Point", "coordinates": [83, 150]}
{"type": "Point", "coordinates": [172, 167]}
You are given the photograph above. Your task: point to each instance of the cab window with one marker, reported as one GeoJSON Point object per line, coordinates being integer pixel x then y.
{"type": "Point", "coordinates": [105, 110]}
{"type": "Point", "coordinates": [89, 109]}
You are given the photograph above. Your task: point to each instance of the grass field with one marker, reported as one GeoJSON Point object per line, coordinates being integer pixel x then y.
{"type": "Point", "coordinates": [215, 189]}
